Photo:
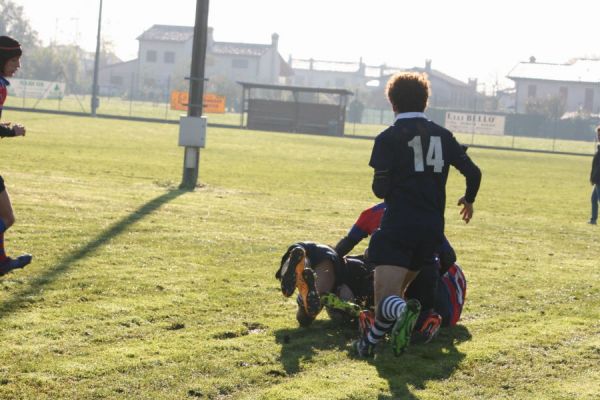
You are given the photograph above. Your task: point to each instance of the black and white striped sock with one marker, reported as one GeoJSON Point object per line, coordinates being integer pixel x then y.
{"type": "Point", "coordinates": [390, 309]}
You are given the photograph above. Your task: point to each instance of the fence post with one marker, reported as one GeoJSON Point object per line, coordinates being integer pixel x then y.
{"type": "Point", "coordinates": [131, 93]}
{"type": "Point", "coordinates": [168, 97]}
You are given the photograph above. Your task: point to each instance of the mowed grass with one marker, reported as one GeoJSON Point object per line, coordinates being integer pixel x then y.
{"type": "Point", "coordinates": [141, 291]}
{"type": "Point", "coordinates": [114, 106]}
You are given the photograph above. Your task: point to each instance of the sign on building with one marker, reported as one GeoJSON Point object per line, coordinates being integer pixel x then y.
{"type": "Point", "coordinates": [212, 103]}
{"type": "Point", "coordinates": [487, 124]}
{"type": "Point", "coordinates": [36, 89]}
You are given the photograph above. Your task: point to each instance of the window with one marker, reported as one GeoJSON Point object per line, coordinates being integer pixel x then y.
{"type": "Point", "coordinates": [563, 93]}
{"type": "Point", "coordinates": [589, 100]}
{"type": "Point", "coordinates": [169, 57]}
{"type": "Point", "coordinates": [116, 80]}
{"type": "Point", "coordinates": [531, 90]}
{"type": "Point", "coordinates": [151, 56]}
{"type": "Point", "coordinates": [239, 63]}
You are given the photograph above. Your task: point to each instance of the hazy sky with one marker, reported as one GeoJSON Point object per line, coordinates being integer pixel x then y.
{"type": "Point", "coordinates": [463, 38]}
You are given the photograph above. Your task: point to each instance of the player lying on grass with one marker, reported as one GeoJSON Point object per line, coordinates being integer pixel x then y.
{"type": "Point", "coordinates": [316, 269]}
{"type": "Point", "coordinates": [350, 288]}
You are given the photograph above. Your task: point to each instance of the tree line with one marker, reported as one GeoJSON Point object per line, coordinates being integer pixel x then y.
{"type": "Point", "coordinates": [66, 63]}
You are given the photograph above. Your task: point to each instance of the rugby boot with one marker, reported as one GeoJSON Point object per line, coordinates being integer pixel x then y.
{"type": "Point", "coordinates": [331, 301]}
{"type": "Point", "coordinates": [362, 347]}
{"type": "Point", "coordinates": [428, 329]}
{"type": "Point", "coordinates": [366, 319]}
{"type": "Point", "coordinates": [307, 288]}
{"type": "Point", "coordinates": [304, 320]}
{"type": "Point", "coordinates": [403, 327]}
{"type": "Point", "coordinates": [14, 263]}
{"type": "Point", "coordinates": [291, 270]}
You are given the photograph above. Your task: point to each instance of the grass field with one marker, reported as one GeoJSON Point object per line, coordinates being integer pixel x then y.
{"type": "Point", "coordinates": [141, 291]}
{"type": "Point", "coordinates": [159, 110]}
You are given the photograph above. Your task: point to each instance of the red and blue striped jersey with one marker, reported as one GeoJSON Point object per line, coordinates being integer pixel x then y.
{"type": "Point", "coordinates": [3, 92]}
{"type": "Point", "coordinates": [451, 295]}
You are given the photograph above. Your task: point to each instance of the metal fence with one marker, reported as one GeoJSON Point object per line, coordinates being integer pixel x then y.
{"type": "Point", "coordinates": [522, 132]}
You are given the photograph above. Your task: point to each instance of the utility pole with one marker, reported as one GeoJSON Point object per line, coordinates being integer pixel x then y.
{"type": "Point", "coordinates": [95, 99]}
{"type": "Point", "coordinates": [192, 129]}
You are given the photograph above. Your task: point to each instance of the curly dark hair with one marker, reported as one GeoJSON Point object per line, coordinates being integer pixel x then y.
{"type": "Point", "coordinates": [408, 92]}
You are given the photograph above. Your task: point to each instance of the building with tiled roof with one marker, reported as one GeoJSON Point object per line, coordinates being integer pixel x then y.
{"type": "Point", "coordinates": [164, 58]}
{"type": "Point", "coordinates": [576, 84]}
{"type": "Point", "coordinates": [167, 33]}
{"type": "Point", "coordinates": [447, 92]}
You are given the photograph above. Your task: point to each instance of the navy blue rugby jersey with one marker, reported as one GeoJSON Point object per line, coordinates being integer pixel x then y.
{"type": "Point", "coordinates": [417, 154]}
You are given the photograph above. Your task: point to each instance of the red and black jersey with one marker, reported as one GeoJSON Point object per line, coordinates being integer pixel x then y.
{"type": "Point", "coordinates": [367, 222]}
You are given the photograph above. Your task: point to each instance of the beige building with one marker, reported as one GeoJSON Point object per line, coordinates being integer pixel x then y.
{"type": "Point", "coordinates": [164, 58]}
{"type": "Point", "coordinates": [447, 92]}
{"type": "Point", "coordinates": [575, 84]}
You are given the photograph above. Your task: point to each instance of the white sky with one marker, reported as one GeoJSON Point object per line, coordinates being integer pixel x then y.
{"type": "Point", "coordinates": [463, 38]}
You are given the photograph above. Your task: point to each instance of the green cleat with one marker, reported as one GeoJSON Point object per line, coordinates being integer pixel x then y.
{"type": "Point", "coordinates": [331, 301]}
{"type": "Point", "coordinates": [402, 330]}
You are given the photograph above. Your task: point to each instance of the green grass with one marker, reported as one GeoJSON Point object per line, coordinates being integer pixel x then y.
{"type": "Point", "coordinates": [115, 106]}
{"type": "Point", "coordinates": [141, 291]}
{"type": "Point", "coordinates": [161, 110]}
{"type": "Point", "coordinates": [503, 141]}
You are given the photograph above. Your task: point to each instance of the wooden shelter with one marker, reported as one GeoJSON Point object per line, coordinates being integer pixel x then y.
{"type": "Point", "coordinates": [294, 108]}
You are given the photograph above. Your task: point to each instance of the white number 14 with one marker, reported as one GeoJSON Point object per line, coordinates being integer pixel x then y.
{"type": "Point", "coordinates": [434, 157]}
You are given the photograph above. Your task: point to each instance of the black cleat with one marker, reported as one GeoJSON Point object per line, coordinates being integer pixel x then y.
{"type": "Point", "coordinates": [14, 263]}
{"type": "Point", "coordinates": [307, 286]}
{"type": "Point", "coordinates": [291, 270]}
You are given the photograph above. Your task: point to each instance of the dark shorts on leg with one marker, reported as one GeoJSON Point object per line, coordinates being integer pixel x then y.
{"type": "Point", "coordinates": [408, 248]}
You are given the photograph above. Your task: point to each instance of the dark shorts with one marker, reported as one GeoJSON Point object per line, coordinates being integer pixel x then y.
{"type": "Point", "coordinates": [2, 187]}
{"type": "Point", "coordinates": [409, 248]}
{"type": "Point", "coordinates": [358, 275]}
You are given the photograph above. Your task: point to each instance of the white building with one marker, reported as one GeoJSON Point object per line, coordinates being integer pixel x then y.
{"type": "Point", "coordinates": [576, 84]}
{"type": "Point", "coordinates": [447, 92]}
{"type": "Point", "coordinates": [164, 58]}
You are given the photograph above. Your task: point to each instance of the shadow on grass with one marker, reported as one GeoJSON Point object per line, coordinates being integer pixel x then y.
{"type": "Point", "coordinates": [410, 373]}
{"type": "Point", "coordinates": [51, 274]}
{"type": "Point", "coordinates": [303, 343]}
{"type": "Point", "coordinates": [406, 375]}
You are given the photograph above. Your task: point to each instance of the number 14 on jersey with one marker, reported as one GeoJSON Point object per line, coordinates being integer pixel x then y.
{"type": "Point", "coordinates": [434, 157]}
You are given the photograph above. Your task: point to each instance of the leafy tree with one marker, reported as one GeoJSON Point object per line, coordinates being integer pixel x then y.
{"type": "Point", "coordinates": [57, 63]}
{"type": "Point", "coordinates": [223, 86]}
{"type": "Point", "coordinates": [14, 24]}
{"type": "Point", "coordinates": [551, 106]}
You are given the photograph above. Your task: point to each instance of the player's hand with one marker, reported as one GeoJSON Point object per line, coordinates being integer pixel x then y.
{"type": "Point", "coordinates": [19, 130]}
{"type": "Point", "coordinates": [467, 211]}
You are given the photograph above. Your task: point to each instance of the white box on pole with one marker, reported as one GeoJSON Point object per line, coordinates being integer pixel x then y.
{"type": "Point", "coordinates": [192, 131]}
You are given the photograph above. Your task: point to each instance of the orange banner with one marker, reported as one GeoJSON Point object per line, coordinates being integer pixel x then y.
{"type": "Point", "coordinates": [212, 103]}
